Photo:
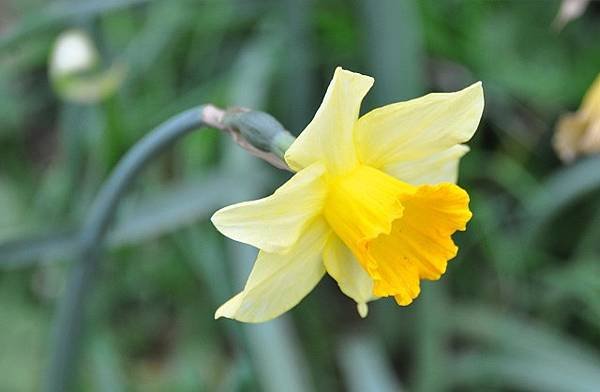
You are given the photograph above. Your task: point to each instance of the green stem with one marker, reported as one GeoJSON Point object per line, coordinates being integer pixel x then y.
{"type": "Point", "coordinates": [67, 329]}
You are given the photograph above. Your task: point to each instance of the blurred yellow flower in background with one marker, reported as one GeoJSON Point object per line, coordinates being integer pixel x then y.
{"type": "Point", "coordinates": [373, 202]}
{"type": "Point", "coordinates": [579, 133]}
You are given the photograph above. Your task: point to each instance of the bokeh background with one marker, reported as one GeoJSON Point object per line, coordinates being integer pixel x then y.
{"type": "Point", "coordinates": [519, 308]}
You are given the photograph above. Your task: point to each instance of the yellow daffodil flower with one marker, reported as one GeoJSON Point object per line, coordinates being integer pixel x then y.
{"type": "Point", "coordinates": [373, 202]}
{"type": "Point", "coordinates": [579, 133]}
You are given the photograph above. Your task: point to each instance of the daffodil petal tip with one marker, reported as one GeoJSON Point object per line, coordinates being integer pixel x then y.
{"type": "Point", "coordinates": [363, 309]}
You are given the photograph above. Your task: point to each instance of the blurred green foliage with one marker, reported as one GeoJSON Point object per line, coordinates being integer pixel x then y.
{"type": "Point", "coordinates": [519, 309]}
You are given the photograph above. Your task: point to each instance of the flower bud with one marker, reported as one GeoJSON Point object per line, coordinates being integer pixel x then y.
{"type": "Point", "coordinates": [579, 133]}
{"type": "Point", "coordinates": [73, 53]}
{"type": "Point", "coordinates": [260, 133]}
{"type": "Point", "coordinates": [75, 73]}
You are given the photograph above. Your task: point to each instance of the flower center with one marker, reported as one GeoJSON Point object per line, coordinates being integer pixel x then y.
{"type": "Point", "coordinates": [400, 233]}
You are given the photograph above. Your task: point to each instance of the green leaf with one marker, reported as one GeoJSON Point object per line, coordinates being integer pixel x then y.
{"type": "Point", "coordinates": [162, 213]}
{"type": "Point", "coordinates": [59, 13]}
{"type": "Point", "coordinates": [521, 352]}
{"type": "Point", "coordinates": [365, 365]}
{"type": "Point", "coordinates": [563, 188]}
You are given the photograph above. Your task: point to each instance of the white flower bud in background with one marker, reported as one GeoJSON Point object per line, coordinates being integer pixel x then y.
{"type": "Point", "coordinates": [569, 10]}
{"type": "Point", "coordinates": [73, 52]}
{"type": "Point", "coordinates": [75, 72]}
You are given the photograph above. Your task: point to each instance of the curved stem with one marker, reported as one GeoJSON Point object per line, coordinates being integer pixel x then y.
{"type": "Point", "coordinates": [67, 328]}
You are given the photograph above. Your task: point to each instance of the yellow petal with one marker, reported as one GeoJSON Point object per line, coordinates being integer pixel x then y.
{"type": "Point", "coordinates": [579, 133]}
{"type": "Point", "coordinates": [433, 169]}
{"type": "Point", "coordinates": [363, 204]}
{"type": "Point", "coordinates": [329, 136]}
{"type": "Point", "coordinates": [274, 223]}
{"type": "Point", "coordinates": [399, 233]}
{"type": "Point", "coordinates": [415, 129]}
{"type": "Point", "coordinates": [570, 131]}
{"type": "Point", "coordinates": [590, 105]}
{"type": "Point", "coordinates": [278, 282]}
{"type": "Point", "coordinates": [353, 280]}
{"type": "Point", "coordinates": [420, 243]}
